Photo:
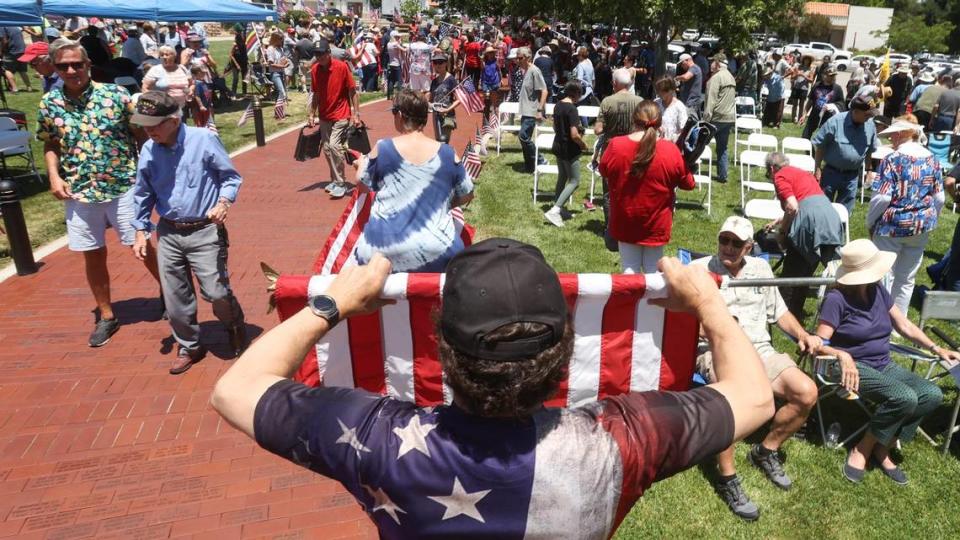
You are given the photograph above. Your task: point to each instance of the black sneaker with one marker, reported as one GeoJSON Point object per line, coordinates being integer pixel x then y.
{"type": "Point", "coordinates": [732, 493]}
{"type": "Point", "coordinates": [771, 467]}
{"type": "Point", "coordinates": [238, 338]}
{"type": "Point", "coordinates": [103, 331]}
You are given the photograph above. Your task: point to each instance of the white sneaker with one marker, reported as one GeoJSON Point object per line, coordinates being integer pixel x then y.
{"type": "Point", "coordinates": [329, 187]}
{"type": "Point", "coordinates": [338, 191]}
{"type": "Point", "coordinates": [553, 216]}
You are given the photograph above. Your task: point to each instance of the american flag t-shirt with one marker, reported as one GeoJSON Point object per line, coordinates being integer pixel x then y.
{"type": "Point", "coordinates": [442, 472]}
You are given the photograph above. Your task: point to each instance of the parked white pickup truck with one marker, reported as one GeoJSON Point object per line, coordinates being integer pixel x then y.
{"type": "Point", "coordinates": [818, 50]}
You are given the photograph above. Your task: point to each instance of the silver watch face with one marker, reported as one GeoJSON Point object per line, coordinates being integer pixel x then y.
{"type": "Point", "coordinates": [324, 306]}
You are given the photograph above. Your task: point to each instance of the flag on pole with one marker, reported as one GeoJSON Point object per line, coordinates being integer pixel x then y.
{"type": "Point", "coordinates": [445, 29]}
{"type": "Point", "coordinates": [280, 109]}
{"type": "Point", "coordinates": [491, 124]}
{"type": "Point", "coordinates": [622, 342]}
{"type": "Point", "coordinates": [467, 93]}
{"type": "Point", "coordinates": [884, 71]}
{"type": "Point", "coordinates": [247, 115]}
{"type": "Point", "coordinates": [472, 163]}
{"type": "Point", "coordinates": [253, 44]}
{"type": "Point", "coordinates": [477, 139]}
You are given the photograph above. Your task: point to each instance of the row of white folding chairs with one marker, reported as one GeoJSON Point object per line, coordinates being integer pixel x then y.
{"type": "Point", "coordinates": [770, 143]}
{"type": "Point", "coordinates": [770, 209]}
{"type": "Point", "coordinates": [758, 158]}
{"type": "Point", "coordinates": [544, 142]}
{"type": "Point", "coordinates": [508, 108]}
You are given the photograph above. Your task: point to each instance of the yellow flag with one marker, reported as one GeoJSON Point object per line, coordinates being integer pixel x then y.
{"type": "Point", "coordinates": [884, 69]}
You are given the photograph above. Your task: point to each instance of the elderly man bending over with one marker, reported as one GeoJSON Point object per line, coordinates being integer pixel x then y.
{"type": "Point", "coordinates": [754, 308]}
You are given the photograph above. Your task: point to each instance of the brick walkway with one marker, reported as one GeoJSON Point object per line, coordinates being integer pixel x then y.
{"type": "Point", "coordinates": [104, 443]}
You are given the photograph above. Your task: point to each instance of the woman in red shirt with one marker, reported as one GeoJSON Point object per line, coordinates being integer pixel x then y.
{"type": "Point", "coordinates": [642, 172]}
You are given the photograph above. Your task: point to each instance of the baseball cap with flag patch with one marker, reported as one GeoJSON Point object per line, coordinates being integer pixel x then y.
{"type": "Point", "coordinates": [154, 107]}
{"type": "Point", "coordinates": [498, 282]}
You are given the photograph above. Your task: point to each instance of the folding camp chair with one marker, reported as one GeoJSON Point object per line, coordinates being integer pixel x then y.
{"type": "Point", "coordinates": [17, 144]}
{"type": "Point", "coordinates": [942, 305]}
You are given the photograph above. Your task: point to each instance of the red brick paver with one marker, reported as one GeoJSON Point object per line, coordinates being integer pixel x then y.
{"type": "Point", "coordinates": [104, 443]}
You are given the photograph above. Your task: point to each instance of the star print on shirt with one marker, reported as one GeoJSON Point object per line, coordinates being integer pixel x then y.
{"type": "Point", "coordinates": [460, 502]}
{"type": "Point", "coordinates": [349, 436]}
{"type": "Point", "coordinates": [414, 436]}
{"type": "Point", "coordinates": [381, 501]}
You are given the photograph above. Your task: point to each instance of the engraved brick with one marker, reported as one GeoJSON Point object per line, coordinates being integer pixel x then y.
{"type": "Point", "coordinates": [244, 515]}
{"type": "Point", "coordinates": [77, 464]}
{"type": "Point", "coordinates": [123, 523]}
{"type": "Point", "coordinates": [82, 530]}
{"type": "Point", "coordinates": [48, 521]}
{"type": "Point", "coordinates": [38, 508]}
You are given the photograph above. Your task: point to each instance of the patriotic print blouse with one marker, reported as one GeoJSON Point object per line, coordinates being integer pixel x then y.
{"type": "Point", "coordinates": [439, 472]}
{"type": "Point", "coordinates": [410, 221]}
{"type": "Point", "coordinates": [913, 181]}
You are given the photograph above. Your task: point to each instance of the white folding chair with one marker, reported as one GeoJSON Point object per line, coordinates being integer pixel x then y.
{"type": "Point", "coordinates": [707, 201]}
{"type": "Point", "coordinates": [802, 161]}
{"type": "Point", "coordinates": [877, 155]}
{"type": "Point", "coordinates": [505, 110]}
{"type": "Point", "coordinates": [762, 141]}
{"type": "Point", "coordinates": [844, 220]}
{"type": "Point", "coordinates": [748, 103]}
{"type": "Point", "coordinates": [744, 125]}
{"type": "Point", "coordinates": [797, 144]}
{"type": "Point", "coordinates": [707, 156]}
{"type": "Point", "coordinates": [547, 114]}
{"type": "Point", "coordinates": [543, 141]}
{"type": "Point", "coordinates": [767, 209]}
{"type": "Point", "coordinates": [748, 159]}
{"type": "Point", "coordinates": [590, 112]}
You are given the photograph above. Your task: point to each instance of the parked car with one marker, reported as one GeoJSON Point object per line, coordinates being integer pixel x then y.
{"type": "Point", "coordinates": [897, 58]}
{"type": "Point", "coordinates": [674, 50]}
{"type": "Point", "coordinates": [843, 61]}
{"type": "Point", "coordinates": [690, 34]}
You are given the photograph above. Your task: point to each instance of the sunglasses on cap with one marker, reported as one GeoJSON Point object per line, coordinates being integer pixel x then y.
{"type": "Point", "coordinates": [64, 66]}
{"type": "Point", "coordinates": [726, 240]}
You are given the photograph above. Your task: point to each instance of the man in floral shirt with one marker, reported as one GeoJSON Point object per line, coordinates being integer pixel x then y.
{"type": "Point", "coordinates": [91, 156]}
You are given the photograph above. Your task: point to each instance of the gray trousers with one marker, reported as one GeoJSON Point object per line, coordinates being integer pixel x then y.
{"type": "Point", "coordinates": [202, 253]}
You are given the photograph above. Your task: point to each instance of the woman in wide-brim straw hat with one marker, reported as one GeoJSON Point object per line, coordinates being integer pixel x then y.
{"type": "Point", "coordinates": [908, 196]}
{"type": "Point", "coordinates": [856, 319]}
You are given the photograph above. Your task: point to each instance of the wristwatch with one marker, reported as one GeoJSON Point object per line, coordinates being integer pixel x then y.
{"type": "Point", "coordinates": [325, 307]}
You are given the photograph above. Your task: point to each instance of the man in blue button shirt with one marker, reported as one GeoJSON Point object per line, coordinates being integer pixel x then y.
{"type": "Point", "coordinates": [186, 174]}
{"type": "Point", "coordinates": [842, 145]}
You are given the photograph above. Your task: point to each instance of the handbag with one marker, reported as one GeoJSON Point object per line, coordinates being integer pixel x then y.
{"type": "Point", "coordinates": [308, 145]}
{"type": "Point", "coordinates": [357, 138]}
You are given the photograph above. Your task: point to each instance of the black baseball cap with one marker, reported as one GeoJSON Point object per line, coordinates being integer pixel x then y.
{"type": "Point", "coordinates": [321, 46]}
{"type": "Point", "coordinates": [498, 282]}
{"type": "Point", "coordinates": [154, 107]}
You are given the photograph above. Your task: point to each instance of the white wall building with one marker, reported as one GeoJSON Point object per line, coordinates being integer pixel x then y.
{"type": "Point", "coordinates": [852, 27]}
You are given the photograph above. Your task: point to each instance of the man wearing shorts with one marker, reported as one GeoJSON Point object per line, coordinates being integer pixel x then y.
{"type": "Point", "coordinates": [91, 157]}
{"type": "Point", "coordinates": [755, 308]}
{"type": "Point", "coordinates": [12, 44]}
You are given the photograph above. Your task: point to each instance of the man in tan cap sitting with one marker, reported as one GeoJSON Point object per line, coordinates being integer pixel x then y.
{"type": "Point", "coordinates": [755, 308]}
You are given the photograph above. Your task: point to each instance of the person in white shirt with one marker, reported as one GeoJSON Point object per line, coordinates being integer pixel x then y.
{"type": "Point", "coordinates": [673, 111]}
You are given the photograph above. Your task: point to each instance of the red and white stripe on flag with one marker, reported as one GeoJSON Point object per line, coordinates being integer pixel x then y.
{"type": "Point", "coordinates": [365, 56]}
{"type": "Point", "coordinates": [622, 343]}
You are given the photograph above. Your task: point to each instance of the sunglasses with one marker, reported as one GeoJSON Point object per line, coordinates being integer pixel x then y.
{"type": "Point", "coordinates": [64, 66]}
{"type": "Point", "coordinates": [725, 240]}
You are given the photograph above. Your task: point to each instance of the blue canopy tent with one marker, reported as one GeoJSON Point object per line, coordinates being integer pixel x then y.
{"type": "Point", "coordinates": [20, 13]}
{"type": "Point", "coordinates": [160, 10]}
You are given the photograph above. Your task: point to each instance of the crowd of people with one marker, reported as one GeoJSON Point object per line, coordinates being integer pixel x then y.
{"type": "Point", "coordinates": [503, 328]}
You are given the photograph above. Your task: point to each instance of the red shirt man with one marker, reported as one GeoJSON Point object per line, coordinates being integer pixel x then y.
{"type": "Point", "coordinates": [334, 96]}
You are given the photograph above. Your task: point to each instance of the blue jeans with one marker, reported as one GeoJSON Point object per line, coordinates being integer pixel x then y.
{"type": "Point", "coordinates": [277, 78]}
{"type": "Point", "coordinates": [527, 125]}
{"type": "Point", "coordinates": [369, 78]}
{"type": "Point", "coordinates": [723, 137]}
{"type": "Point", "coordinates": [393, 80]}
{"type": "Point", "coordinates": [840, 186]}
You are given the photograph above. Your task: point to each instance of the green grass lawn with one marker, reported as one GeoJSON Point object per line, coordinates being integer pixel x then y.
{"type": "Point", "coordinates": [44, 214]}
{"type": "Point", "coordinates": [822, 503]}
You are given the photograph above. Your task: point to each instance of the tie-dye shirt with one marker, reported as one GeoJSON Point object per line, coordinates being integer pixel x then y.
{"type": "Point", "coordinates": [410, 222]}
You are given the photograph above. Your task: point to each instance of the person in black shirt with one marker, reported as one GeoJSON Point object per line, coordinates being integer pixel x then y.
{"type": "Point", "coordinates": [545, 63]}
{"type": "Point", "coordinates": [238, 59]}
{"type": "Point", "coordinates": [824, 92]}
{"type": "Point", "coordinates": [567, 146]}
{"type": "Point", "coordinates": [900, 86]}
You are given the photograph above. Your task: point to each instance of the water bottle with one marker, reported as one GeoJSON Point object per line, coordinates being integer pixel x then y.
{"type": "Point", "coordinates": [833, 435]}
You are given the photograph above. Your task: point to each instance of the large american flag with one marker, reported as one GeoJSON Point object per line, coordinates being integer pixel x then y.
{"type": "Point", "coordinates": [622, 343]}
{"type": "Point", "coordinates": [467, 93]}
{"type": "Point", "coordinates": [364, 56]}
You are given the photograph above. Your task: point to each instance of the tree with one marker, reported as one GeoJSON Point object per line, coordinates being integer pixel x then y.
{"type": "Point", "coordinates": [410, 9]}
{"type": "Point", "coordinates": [912, 34]}
{"type": "Point", "coordinates": [814, 27]}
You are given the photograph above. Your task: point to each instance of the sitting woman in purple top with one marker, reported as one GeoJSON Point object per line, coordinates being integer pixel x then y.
{"type": "Point", "coordinates": [417, 181]}
{"type": "Point", "coordinates": [857, 318]}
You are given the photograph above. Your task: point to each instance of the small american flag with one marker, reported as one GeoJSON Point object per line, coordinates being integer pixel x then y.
{"type": "Point", "coordinates": [375, 15]}
{"type": "Point", "coordinates": [280, 109]}
{"type": "Point", "coordinates": [472, 163]}
{"type": "Point", "coordinates": [467, 93]}
{"type": "Point", "coordinates": [309, 10]}
{"type": "Point", "coordinates": [445, 29]}
{"type": "Point", "coordinates": [247, 115]}
{"type": "Point", "coordinates": [281, 7]}
{"type": "Point", "coordinates": [477, 139]}
{"type": "Point", "coordinates": [491, 124]}
{"type": "Point", "coordinates": [212, 126]}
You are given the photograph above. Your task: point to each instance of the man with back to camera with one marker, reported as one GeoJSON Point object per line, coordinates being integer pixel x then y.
{"type": "Point", "coordinates": [495, 462]}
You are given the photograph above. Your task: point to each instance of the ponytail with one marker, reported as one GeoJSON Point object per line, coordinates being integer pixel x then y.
{"type": "Point", "coordinates": [646, 117]}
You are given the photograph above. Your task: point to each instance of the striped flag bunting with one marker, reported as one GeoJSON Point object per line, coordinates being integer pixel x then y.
{"type": "Point", "coordinates": [247, 115]}
{"type": "Point", "coordinates": [467, 93]}
{"type": "Point", "coordinates": [622, 342]}
{"type": "Point", "coordinates": [280, 109]}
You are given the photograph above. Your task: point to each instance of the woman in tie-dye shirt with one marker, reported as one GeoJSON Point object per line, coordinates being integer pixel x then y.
{"type": "Point", "coordinates": [908, 196]}
{"type": "Point", "coordinates": [417, 181]}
